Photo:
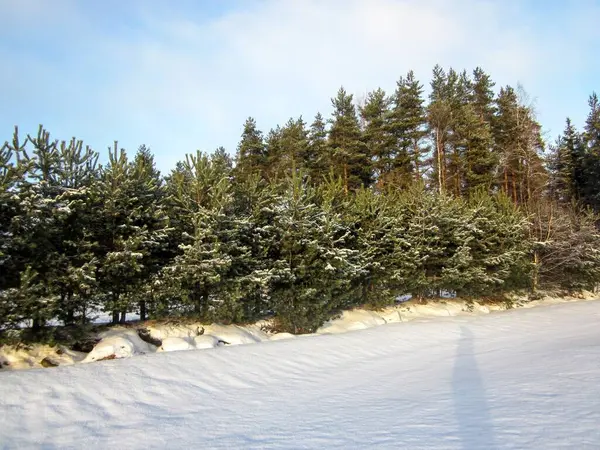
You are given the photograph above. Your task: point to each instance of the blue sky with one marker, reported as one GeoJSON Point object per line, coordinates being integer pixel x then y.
{"type": "Point", "coordinates": [182, 75]}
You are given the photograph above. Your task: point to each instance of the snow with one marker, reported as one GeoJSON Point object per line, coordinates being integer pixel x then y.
{"type": "Point", "coordinates": [175, 344]}
{"type": "Point", "coordinates": [118, 343]}
{"type": "Point", "coordinates": [206, 341]}
{"type": "Point", "coordinates": [32, 356]}
{"type": "Point", "coordinates": [525, 378]}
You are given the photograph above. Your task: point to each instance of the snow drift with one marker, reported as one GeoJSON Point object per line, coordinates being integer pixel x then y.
{"type": "Point", "coordinates": [522, 379]}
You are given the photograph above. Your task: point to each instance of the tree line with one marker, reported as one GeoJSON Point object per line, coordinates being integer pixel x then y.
{"type": "Point", "coordinates": [393, 194]}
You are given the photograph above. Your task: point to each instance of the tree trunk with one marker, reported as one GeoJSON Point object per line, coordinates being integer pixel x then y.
{"type": "Point", "coordinates": [142, 310]}
{"type": "Point", "coordinates": [123, 318]}
{"type": "Point", "coordinates": [346, 179]}
{"type": "Point", "coordinates": [37, 324]}
{"type": "Point", "coordinates": [70, 317]}
{"type": "Point", "coordinates": [439, 161]}
{"type": "Point", "coordinates": [534, 278]}
{"type": "Point", "coordinates": [115, 317]}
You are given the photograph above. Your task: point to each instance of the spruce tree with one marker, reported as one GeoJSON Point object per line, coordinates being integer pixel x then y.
{"type": "Point", "coordinates": [315, 264]}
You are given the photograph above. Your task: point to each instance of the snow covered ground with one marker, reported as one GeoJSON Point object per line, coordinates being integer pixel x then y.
{"type": "Point", "coordinates": [527, 378]}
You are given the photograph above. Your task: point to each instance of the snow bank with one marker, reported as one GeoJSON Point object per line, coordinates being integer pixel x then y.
{"type": "Point", "coordinates": [281, 336]}
{"type": "Point", "coordinates": [175, 344]}
{"type": "Point", "coordinates": [207, 341]}
{"type": "Point", "coordinates": [37, 356]}
{"type": "Point", "coordinates": [118, 343]}
{"type": "Point", "coordinates": [360, 319]}
{"type": "Point", "coordinates": [237, 335]}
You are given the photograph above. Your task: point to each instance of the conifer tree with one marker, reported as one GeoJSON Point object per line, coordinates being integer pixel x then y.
{"type": "Point", "coordinates": [374, 114]}
{"type": "Point", "coordinates": [131, 225]}
{"type": "Point", "coordinates": [149, 215]}
{"type": "Point", "coordinates": [288, 148]}
{"type": "Point", "coordinates": [315, 265]}
{"type": "Point", "coordinates": [591, 142]}
{"type": "Point", "coordinates": [565, 166]}
{"type": "Point", "coordinates": [518, 144]}
{"type": "Point", "coordinates": [251, 153]}
{"type": "Point", "coordinates": [319, 163]}
{"type": "Point", "coordinates": [407, 126]}
{"type": "Point", "coordinates": [350, 157]}
{"type": "Point", "coordinates": [472, 161]}
{"type": "Point", "coordinates": [439, 114]}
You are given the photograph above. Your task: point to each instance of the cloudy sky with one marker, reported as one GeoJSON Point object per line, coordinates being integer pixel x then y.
{"type": "Point", "coordinates": [182, 75]}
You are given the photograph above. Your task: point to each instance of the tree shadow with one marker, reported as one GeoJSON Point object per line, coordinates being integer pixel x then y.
{"type": "Point", "coordinates": [475, 427]}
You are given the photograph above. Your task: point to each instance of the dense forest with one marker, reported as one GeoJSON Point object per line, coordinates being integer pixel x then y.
{"type": "Point", "coordinates": [397, 193]}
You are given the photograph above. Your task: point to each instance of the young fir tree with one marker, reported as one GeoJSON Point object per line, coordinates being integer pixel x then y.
{"type": "Point", "coordinates": [406, 124]}
{"type": "Point", "coordinates": [349, 154]}
{"type": "Point", "coordinates": [378, 229]}
{"type": "Point", "coordinates": [315, 264]}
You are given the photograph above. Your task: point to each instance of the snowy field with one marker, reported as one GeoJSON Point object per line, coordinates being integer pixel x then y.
{"type": "Point", "coordinates": [522, 379]}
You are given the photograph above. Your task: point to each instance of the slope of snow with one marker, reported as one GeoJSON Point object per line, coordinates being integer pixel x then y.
{"type": "Point", "coordinates": [522, 379]}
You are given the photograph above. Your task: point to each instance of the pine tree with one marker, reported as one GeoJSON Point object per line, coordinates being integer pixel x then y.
{"type": "Point", "coordinates": [13, 169]}
{"type": "Point", "coordinates": [518, 142]}
{"type": "Point", "coordinates": [566, 166]}
{"type": "Point", "coordinates": [439, 114]}
{"type": "Point", "coordinates": [202, 194]}
{"type": "Point", "coordinates": [474, 132]}
{"type": "Point", "coordinates": [251, 153]}
{"type": "Point", "coordinates": [288, 149]}
{"type": "Point", "coordinates": [350, 159]}
{"type": "Point", "coordinates": [130, 224]}
{"type": "Point", "coordinates": [318, 160]}
{"type": "Point", "coordinates": [591, 142]}
{"type": "Point", "coordinates": [379, 141]}
{"type": "Point", "coordinates": [150, 217]}
{"type": "Point", "coordinates": [407, 126]}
